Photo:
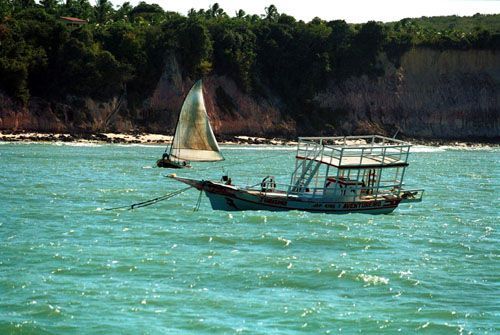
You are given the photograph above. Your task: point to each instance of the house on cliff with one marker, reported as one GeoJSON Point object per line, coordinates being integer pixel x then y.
{"type": "Point", "coordinates": [72, 22]}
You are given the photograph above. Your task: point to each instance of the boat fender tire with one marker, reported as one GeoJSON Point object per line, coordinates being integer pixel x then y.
{"type": "Point", "coordinates": [263, 184]}
{"type": "Point", "coordinates": [268, 184]}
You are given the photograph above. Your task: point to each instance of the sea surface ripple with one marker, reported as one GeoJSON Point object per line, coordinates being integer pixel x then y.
{"type": "Point", "coordinates": [69, 267]}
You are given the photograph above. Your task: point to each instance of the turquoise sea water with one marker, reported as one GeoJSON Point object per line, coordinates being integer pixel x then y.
{"type": "Point", "coordinates": [67, 267]}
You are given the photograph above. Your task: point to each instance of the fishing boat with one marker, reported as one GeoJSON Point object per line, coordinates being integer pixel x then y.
{"type": "Point", "coordinates": [361, 174]}
{"type": "Point", "coordinates": [193, 139]}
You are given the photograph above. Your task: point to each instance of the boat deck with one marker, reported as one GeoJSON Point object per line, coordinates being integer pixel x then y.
{"type": "Point", "coordinates": [317, 197]}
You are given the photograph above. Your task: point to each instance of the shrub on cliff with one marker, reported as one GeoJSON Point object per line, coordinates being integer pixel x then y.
{"type": "Point", "coordinates": [124, 50]}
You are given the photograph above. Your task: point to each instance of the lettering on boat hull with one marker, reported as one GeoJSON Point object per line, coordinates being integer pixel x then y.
{"type": "Point", "coordinates": [239, 201]}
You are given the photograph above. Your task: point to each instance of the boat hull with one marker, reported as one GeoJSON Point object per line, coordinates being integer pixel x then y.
{"type": "Point", "coordinates": [230, 198]}
{"type": "Point", "coordinates": [242, 202]}
{"type": "Point", "coordinates": [169, 164]}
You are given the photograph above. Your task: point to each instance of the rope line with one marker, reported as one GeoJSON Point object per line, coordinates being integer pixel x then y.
{"type": "Point", "coordinates": [246, 161]}
{"type": "Point", "coordinates": [177, 192]}
{"type": "Point", "coordinates": [150, 201]}
{"type": "Point", "coordinates": [198, 203]}
{"type": "Point", "coordinates": [287, 152]}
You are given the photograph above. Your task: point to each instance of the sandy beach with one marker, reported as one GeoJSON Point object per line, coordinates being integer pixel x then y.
{"type": "Point", "coordinates": [142, 138]}
{"type": "Point", "coordinates": [147, 138]}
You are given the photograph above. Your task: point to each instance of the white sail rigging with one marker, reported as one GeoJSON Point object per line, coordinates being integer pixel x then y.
{"type": "Point", "coordinates": [194, 139]}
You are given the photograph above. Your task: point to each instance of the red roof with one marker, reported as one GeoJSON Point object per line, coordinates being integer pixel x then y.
{"type": "Point", "coordinates": [73, 19]}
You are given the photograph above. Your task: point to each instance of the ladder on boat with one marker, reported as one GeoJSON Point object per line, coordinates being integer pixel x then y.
{"type": "Point", "coordinates": [299, 184]}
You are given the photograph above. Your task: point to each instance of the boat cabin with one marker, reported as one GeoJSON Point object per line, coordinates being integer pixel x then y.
{"type": "Point", "coordinates": [342, 187]}
{"type": "Point", "coordinates": [349, 168]}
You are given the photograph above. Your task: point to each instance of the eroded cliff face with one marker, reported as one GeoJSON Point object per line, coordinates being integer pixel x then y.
{"type": "Point", "coordinates": [433, 94]}
{"type": "Point", "coordinates": [231, 111]}
{"type": "Point", "coordinates": [74, 115]}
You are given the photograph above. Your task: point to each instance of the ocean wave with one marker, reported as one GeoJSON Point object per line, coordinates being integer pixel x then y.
{"type": "Point", "coordinates": [79, 144]}
{"type": "Point", "coordinates": [140, 145]}
{"type": "Point", "coordinates": [443, 148]}
{"type": "Point", "coordinates": [258, 147]}
{"type": "Point", "coordinates": [373, 280]}
{"type": "Point", "coordinates": [426, 148]}
{"type": "Point", "coordinates": [471, 148]}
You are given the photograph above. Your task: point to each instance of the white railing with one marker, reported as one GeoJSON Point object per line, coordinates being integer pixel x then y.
{"type": "Point", "coordinates": [374, 148]}
{"type": "Point", "coordinates": [349, 155]}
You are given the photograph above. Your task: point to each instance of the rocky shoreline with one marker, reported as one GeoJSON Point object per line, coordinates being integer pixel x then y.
{"type": "Point", "coordinates": [139, 138]}
{"type": "Point", "coordinates": [144, 138]}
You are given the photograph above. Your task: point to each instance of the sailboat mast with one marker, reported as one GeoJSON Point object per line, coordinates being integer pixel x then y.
{"type": "Point", "coordinates": [175, 132]}
{"type": "Point", "coordinates": [173, 137]}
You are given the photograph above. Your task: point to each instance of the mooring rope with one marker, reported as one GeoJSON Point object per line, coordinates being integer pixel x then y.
{"type": "Point", "coordinates": [245, 161]}
{"type": "Point", "coordinates": [198, 203]}
{"type": "Point", "coordinates": [151, 201]}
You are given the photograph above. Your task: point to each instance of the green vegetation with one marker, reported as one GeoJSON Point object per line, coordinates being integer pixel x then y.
{"type": "Point", "coordinates": [123, 50]}
{"type": "Point", "coordinates": [463, 24]}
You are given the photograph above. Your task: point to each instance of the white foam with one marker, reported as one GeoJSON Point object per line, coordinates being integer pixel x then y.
{"type": "Point", "coordinates": [426, 148]}
{"type": "Point", "coordinates": [374, 280]}
{"type": "Point", "coordinates": [79, 144]}
{"type": "Point", "coordinates": [258, 147]}
{"type": "Point", "coordinates": [472, 148]}
{"type": "Point", "coordinates": [55, 143]}
{"type": "Point", "coordinates": [140, 145]}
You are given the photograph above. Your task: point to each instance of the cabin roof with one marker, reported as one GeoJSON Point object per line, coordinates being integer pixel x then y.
{"type": "Point", "coordinates": [355, 141]}
{"type": "Point", "coordinates": [358, 162]}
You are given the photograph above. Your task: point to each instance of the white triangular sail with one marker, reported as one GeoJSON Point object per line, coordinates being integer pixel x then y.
{"type": "Point", "coordinates": [194, 139]}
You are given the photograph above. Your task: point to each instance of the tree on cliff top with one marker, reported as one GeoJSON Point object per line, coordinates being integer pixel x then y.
{"type": "Point", "coordinates": [273, 53]}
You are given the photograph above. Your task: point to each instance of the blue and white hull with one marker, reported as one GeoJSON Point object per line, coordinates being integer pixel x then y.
{"type": "Point", "coordinates": [231, 198]}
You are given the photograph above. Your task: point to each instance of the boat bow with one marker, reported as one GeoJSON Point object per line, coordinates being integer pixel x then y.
{"type": "Point", "coordinates": [198, 184]}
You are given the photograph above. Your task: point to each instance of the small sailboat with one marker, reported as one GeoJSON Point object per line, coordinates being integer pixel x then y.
{"type": "Point", "coordinates": [193, 139]}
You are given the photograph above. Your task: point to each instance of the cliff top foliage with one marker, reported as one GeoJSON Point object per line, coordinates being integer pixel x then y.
{"type": "Point", "coordinates": [465, 24]}
{"type": "Point", "coordinates": [123, 50]}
